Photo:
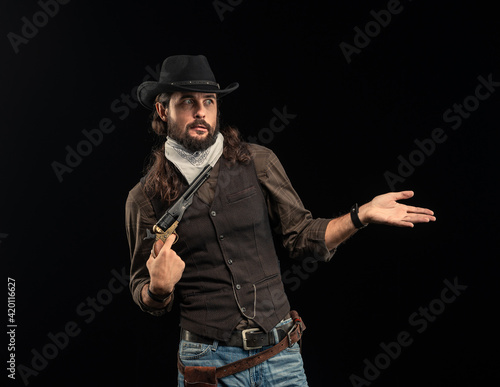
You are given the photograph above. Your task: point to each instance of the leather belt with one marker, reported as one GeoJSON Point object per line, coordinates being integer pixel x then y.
{"type": "Point", "coordinates": [253, 338]}
{"type": "Point", "coordinates": [207, 376]}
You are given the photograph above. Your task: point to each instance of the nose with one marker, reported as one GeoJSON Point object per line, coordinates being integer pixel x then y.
{"type": "Point", "coordinates": [200, 111]}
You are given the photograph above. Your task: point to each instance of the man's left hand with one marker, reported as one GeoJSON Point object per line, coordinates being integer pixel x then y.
{"type": "Point", "coordinates": [384, 209]}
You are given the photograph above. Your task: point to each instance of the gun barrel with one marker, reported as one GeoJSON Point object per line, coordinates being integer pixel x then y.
{"type": "Point", "coordinates": [200, 179]}
{"type": "Point", "coordinates": [176, 210]}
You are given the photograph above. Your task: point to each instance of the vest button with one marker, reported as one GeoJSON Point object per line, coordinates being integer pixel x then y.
{"type": "Point", "coordinates": [230, 261]}
{"type": "Point", "coordinates": [213, 213]}
{"type": "Point", "coordinates": [238, 286]}
{"type": "Point", "coordinates": [243, 309]}
{"type": "Point", "coordinates": [221, 236]}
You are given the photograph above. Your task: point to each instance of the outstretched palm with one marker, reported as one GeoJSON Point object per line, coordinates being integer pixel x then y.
{"type": "Point", "coordinates": [385, 209]}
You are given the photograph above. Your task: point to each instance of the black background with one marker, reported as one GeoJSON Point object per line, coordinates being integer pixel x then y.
{"type": "Point", "coordinates": [63, 240]}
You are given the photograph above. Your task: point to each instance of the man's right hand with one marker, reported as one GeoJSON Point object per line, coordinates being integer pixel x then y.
{"type": "Point", "coordinates": [166, 269]}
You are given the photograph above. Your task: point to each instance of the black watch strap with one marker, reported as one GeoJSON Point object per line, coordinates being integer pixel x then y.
{"type": "Point", "coordinates": [156, 297]}
{"type": "Point", "coordinates": [355, 218]}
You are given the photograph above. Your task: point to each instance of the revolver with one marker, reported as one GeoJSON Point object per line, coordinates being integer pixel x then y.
{"type": "Point", "coordinates": [168, 223]}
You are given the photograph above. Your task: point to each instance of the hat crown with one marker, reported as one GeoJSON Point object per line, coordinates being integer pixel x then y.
{"type": "Point", "coordinates": [182, 73]}
{"type": "Point", "coordinates": [183, 68]}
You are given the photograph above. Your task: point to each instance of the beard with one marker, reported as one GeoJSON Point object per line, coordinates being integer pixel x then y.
{"type": "Point", "coordinates": [190, 143]}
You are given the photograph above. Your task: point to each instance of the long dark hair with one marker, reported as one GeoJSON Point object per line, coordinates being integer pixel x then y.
{"type": "Point", "coordinates": [162, 179]}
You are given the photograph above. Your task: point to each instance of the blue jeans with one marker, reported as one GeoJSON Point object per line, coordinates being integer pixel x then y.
{"type": "Point", "coordinates": [283, 370]}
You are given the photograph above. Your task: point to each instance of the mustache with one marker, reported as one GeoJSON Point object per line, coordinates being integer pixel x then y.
{"type": "Point", "coordinates": [199, 122]}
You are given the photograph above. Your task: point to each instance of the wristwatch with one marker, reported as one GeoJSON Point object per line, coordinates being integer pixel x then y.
{"type": "Point", "coordinates": [355, 218]}
{"type": "Point", "coordinates": [156, 297]}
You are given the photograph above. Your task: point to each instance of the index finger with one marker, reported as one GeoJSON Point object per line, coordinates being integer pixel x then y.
{"type": "Point", "coordinates": [170, 241]}
{"type": "Point", "coordinates": [420, 210]}
{"type": "Point", "coordinates": [159, 244]}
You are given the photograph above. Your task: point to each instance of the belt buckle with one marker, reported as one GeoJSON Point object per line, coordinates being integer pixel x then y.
{"type": "Point", "coordinates": [244, 337]}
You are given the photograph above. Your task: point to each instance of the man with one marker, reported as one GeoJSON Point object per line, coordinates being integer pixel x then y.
{"type": "Point", "coordinates": [224, 267]}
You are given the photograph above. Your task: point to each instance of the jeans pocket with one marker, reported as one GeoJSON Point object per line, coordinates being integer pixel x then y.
{"type": "Point", "coordinates": [294, 348]}
{"type": "Point", "coordinates": [191, 351]}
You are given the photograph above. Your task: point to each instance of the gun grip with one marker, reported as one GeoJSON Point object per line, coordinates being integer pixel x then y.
{"type": "Point", "coordinates": [162, 237]}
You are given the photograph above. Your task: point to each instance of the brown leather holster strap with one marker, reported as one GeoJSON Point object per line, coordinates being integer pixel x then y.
{"type": "Point", "coordinates": [294, 335]}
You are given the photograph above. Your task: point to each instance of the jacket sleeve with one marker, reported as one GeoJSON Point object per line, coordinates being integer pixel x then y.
{"type": "Point", "coordinates": [302, 235]}
{"type": "Point", "coordinates": [139, 222]}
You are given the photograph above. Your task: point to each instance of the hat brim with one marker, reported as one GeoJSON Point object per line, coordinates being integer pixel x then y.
{"type": "Point", "coordinates": [147, 91]}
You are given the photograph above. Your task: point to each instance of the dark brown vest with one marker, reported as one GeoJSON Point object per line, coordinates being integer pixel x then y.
{"type": "Point", "coordinates": [232, 270]}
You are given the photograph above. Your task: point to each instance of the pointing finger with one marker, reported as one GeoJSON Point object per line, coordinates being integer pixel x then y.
{"type": "Point", "coordinates": [170, 241]}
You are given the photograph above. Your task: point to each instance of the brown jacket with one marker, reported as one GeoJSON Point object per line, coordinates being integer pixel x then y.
{"type": "Point", "coordinates": [226, 242]}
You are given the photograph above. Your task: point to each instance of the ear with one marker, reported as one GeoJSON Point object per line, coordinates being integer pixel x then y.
{"type": "Point", "coordinates": [161, 110]}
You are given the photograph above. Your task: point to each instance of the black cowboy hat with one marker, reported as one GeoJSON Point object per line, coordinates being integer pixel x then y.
{"type": "Point", "coordinates": [182, 73]}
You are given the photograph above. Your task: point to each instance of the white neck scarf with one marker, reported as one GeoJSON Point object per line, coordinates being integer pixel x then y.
{"type": "Point", "coordinates": [192, 163]}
